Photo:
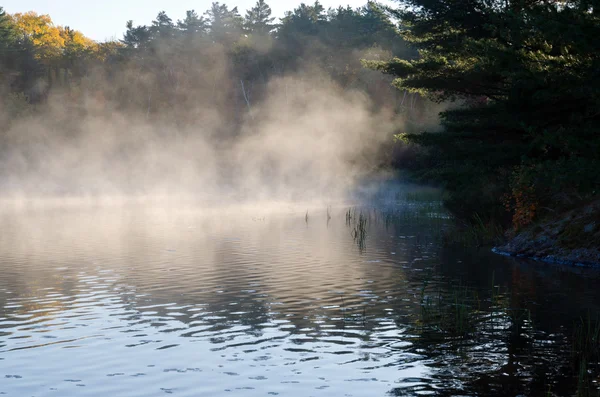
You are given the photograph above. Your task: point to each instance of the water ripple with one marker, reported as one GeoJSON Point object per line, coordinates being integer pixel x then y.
{"type": "Point", "coordinates": [149, 302]}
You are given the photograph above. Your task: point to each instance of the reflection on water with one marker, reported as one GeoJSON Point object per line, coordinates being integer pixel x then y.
{"type": "Point", "coordinates": [144, 302]}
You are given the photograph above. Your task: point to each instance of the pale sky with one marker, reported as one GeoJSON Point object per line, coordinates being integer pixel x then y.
{"type": "Point", "coordinates": [105, 19]}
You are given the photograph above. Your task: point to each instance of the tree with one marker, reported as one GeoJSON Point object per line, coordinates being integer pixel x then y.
{"type": "Point", "coordinates": [305, 20]}
{"type": "Point", "coordinates": [8, 43]}
{"type": "Point", "coordinates": [77, 51]}
{"type": "Point", "coordinates": [193, 24]}
{"type": "Point", "coordinates": [41, 32]}
{"type": "Point", "coordinates": [377, 26]}
{"type": "Point", "coordinates": [136, 36]}
{"type": "Point", "coordinates": [225, 24]}
{"type": "Point", "coordinates": [258, 19]}
{"type": "Point", "coordinates": [299, 31]}
{"type": "Point", "coordinates": [526, 72]}
{"type": "Point", "coordinates": [9, 51]}
{"type": "Point", "coordinates": [162, 27]}
{"type": "Point", "coordinates": [8, 34]}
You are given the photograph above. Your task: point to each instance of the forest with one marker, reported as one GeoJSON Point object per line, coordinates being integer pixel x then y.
{"type": "Point", "coordinates": [499, 98]}
{"type": "Point", "coordinates": [39, 57]}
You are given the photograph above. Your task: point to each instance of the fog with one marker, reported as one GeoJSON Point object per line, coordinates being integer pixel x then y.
{"type": "Point", "coordinates": [297, 137]}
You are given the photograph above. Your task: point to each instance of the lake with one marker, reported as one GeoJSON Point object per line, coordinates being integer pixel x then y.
{"type": "Point", "coordinates": [350, 300]}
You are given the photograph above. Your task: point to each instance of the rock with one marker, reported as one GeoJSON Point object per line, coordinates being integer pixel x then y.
{"type": "Point", "coordinates": [571, 238]}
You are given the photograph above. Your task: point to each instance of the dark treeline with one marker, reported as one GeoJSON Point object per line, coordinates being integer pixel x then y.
{"type": "Point", "coordinates": [163, 66]}
{"type": "Point", "coordinates": [525, 143]}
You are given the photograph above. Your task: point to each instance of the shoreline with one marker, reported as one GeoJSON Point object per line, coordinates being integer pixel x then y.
{"type": "Point", "coordinates": [551, 259]}
{"type": "Point", "coordinates": [572, 239]}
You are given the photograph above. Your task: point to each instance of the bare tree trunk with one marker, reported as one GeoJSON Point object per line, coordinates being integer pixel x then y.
{"type": "Point", "coordinates": [245, 95]}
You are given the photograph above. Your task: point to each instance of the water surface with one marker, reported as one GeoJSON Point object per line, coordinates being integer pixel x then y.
{"type": "Point", "coordinates": [148, 301]}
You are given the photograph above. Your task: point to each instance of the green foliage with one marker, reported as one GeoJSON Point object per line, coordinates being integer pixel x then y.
{"type": "Point", "coordinates": [8, 34]}
{"type": "Point", "coordinates": [136, 36]}
{"type": "Point", "coordinates": [8, 44]}
{"type": "Point", "coordinates": [258, 19]}
{"type": "Point", "coordinates": [19, 66]}
{"type": "Point", "coordinates": [193, 24]}
{"type": "Point", "coordinates": [342, 28]}
{"type": "Point", "coordinates": [162, 27]}
{"type": "Point", "coordinates": [225, 24]}
{"type": "Point", "coordinates": [525, 74]}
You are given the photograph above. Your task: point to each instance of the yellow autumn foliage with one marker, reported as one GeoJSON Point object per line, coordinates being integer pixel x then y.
{"type": "Point", "coordinates": [49, 40]}
{"type": "Point", "coordinates": [75, 37]}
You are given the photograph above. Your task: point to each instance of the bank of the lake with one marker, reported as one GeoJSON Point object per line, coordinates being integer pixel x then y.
{"type": "Point", "coordinates": [571, 238]}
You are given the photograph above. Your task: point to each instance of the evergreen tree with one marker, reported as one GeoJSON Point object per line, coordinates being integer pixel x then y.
{"type": "Point", "coordinates": [258, 19]}
{"type": "Point", "coordinates": [136, 36]}
{"type": "Point", "coordinates": [193, 24]}
{"type": "Point", "coordinates": [225, 24]}
{"type": "Point", "coordinates": [8, 35]}
{"type": "Point", "coordinates": [8, 44]}
{"type": "Point", "coordinates": [162, 27]}
{"type": "Point", "coordinates": [527, 75]}
{"type": "Point", "coordinates": [305, 20]}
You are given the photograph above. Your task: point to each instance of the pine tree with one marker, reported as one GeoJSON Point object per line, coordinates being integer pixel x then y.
{"type": "Point", "coordinates": [225, 24]}
{"type": "Point", "coordinates": [258, 19]}
{"type": "Point", "coordinates": [136, 36]}
{"type": "Point", "coordinates": [193, 24]}
{"type": "Point", "coordinates": [526, 72]}
{"type": "Point", "coordinates": [8, 40]}
{"type": "Point", "coordinates": [162, 27]}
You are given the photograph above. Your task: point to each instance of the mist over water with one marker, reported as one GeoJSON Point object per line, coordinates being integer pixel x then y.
{"type": "Point", "coordinates": [306, 138]}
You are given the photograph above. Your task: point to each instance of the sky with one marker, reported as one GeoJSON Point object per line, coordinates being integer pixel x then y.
{"type": "Point", "coordinates": [105, 19]}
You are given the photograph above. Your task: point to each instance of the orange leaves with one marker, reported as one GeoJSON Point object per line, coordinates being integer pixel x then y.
{"type": "Point", "coordinates": [523, 203]}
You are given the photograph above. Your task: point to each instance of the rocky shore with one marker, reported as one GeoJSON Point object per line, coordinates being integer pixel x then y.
{"type": "Point", "coordinates": [573, 238]}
